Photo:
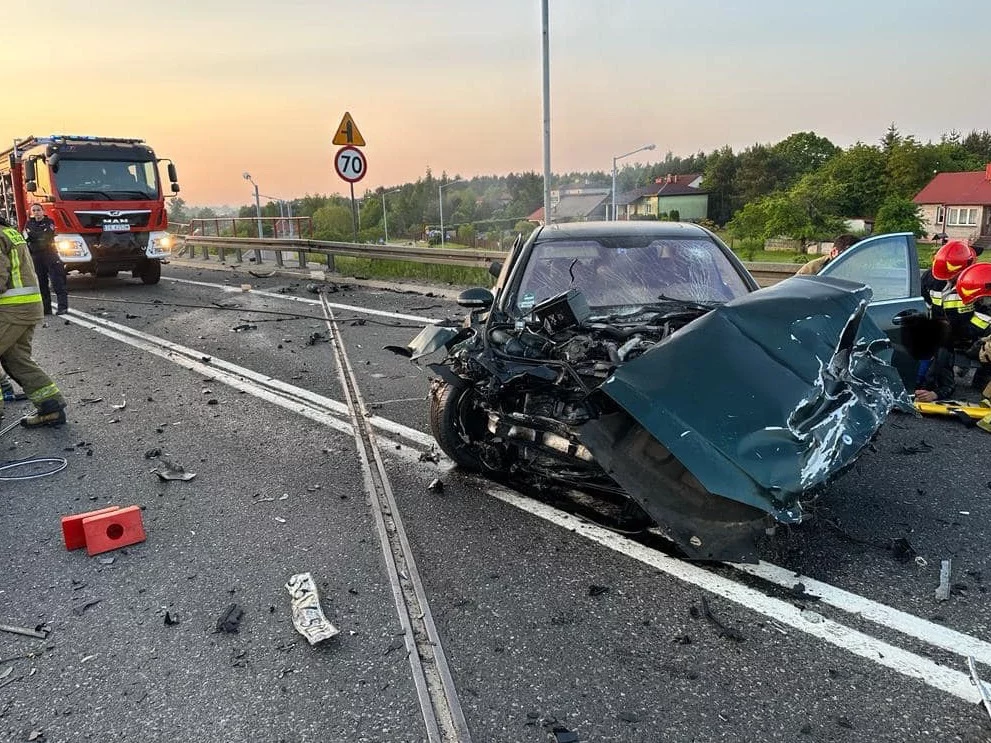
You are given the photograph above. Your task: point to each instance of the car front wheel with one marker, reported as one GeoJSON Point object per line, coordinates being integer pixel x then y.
{"type": "Point", "coordinates": [456, 422]}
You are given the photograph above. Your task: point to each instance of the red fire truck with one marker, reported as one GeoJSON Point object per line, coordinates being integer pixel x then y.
{"type": "Point", "coordinates": [104, 195]}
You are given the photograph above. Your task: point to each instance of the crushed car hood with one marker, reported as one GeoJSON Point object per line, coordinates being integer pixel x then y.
{"type": "Point", "coordinates": [768, 396]}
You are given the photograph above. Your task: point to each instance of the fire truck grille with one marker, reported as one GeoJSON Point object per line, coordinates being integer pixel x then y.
{"type": "Point", "coordinates": [90, 220]}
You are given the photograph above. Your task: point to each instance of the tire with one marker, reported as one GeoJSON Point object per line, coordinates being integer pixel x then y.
{"type": "Point", "coordinates": [150, 272]}
{"type": "Point", "coordinates": [450, 421]}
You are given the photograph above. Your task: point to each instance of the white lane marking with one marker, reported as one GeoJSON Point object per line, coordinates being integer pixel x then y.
{"type": "Point", "coordinates": [155, 344]}
{"type": "Point", "coordinates": [886, 616]}
{"type": "Point", "coordinates": [834, 633]}
{"type": "Point", "coordinates": [304, 300]}
{"type": "Point", "coordinates": [876, 612]}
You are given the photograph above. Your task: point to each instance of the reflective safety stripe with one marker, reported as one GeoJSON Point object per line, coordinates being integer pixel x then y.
{"type": "Point", "coordinates": [45, 393]}
{"type": "Point", "coordinates": [15, 237]}
{"type": "Point", "coordinates": [936, 297]}
{"type": "Point", "coordinates": [17, 293]}
{"type": "Point", "coordinates": [981, 320]}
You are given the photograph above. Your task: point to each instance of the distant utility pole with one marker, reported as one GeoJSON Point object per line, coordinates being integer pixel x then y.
{"type": "Point", "coordinates": [547, 114]}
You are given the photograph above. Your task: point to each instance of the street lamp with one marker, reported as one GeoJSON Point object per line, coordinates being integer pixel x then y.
{"type": "Point", "coordinates": [385, 214]}
{"type": "Point", "coordinates": [614, 161]}
{"type": "Point", "coordinates": [258, 202]}
{"type": "Point", "coordinates": [440, 191]}
{"type": "Point", "coordinates": [284, 213]}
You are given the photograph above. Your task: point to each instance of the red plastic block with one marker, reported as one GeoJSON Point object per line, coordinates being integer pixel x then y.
{"type": "Point", "coordinates": [110, 531]}
{"type": "Point", "coordinates": [72, 527]}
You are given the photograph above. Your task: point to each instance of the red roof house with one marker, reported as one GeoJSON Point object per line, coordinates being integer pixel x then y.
{"type": "Point", "coordinates": [958, 205]}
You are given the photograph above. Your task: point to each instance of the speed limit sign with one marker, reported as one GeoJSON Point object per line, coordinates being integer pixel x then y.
{"type": "Point", "coordinates": [350, 164]}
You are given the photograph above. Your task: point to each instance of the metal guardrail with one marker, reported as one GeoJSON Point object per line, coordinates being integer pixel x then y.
{"type": "Point", "coordinates": [765, 273]}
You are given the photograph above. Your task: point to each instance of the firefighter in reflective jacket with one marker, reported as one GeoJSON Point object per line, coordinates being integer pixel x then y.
{"type": "Point", "coordinates": [974, 287]}
{"type": "Point", "coordinates": [940, 293]}
{"type": "Point", "coordinates": [20, 311]}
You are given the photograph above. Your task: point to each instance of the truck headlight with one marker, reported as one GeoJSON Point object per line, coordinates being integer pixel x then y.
{"type": "Point", "coordinates": [159, 244]}
{"type": "Point", "coordinates": [72, 248]}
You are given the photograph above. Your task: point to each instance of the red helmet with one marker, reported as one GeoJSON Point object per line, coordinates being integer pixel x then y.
{"type": "Point", "coordinates": [974, 283]}
{"type": "Point", "coordinates": [952, 258]}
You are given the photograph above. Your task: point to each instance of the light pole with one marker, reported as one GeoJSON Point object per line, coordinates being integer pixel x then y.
{"type": "Point", "coordinates": [614, 161]}
{"type": "Point", "coordinates": [385, 214]}
{"type": "Point", "coordinates": [258, 202]}
{"type": "Point", "coordinates": [440, 191]}
{"type": "Point", "coordinates": [546, 54]}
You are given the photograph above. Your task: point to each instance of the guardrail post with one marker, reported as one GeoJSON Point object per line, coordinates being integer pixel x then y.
{"type": "Point", "coordinates": [330, 263]}
{"type": "Point", "coordinates": [301, 255]}
{"type": "Point", "coordinates": [240, 255]}
{"type": "Point", "coordinates": [258, 255]}
{"type": "Point", "coordinates": [206, 253]}
{"type": "Point", "coordinates": [278, 258]}
{"type": "Point", "coordinates": [221, 253]}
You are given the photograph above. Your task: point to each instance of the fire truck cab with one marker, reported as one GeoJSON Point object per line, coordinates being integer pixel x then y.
{"type": "Point", "coordinates": [104, 195]}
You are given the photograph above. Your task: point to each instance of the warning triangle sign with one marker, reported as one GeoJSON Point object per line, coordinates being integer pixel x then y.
{"type": "Point", "coordinates": [347, 133]}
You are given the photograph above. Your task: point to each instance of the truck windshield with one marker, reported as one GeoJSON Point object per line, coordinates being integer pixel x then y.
{"type": "Point", "coordinates": [115, 180]}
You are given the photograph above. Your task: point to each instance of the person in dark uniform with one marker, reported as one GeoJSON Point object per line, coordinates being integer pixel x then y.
{"type": "Point", "coordinates": [39, 231]}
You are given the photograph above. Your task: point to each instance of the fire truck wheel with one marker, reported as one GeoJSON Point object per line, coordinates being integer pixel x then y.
{"type": "Point", "coordinates": [150, 272]}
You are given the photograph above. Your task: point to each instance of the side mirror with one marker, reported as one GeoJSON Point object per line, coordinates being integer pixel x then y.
{"type": "Point", "coordinates": [172, 174]}
{"type": "Point", "coordinates": [478, 298]}
{"type": "Point", "coordinates": [495, 268]}
{"type": "Point", "coordinates": [30, 186]}
{"type": "Point", "coordinates": [53, 161]}
{"type": "Point", "coordinates": [175, 187]}
{"type": "Point", "coordinates": [30, 171]}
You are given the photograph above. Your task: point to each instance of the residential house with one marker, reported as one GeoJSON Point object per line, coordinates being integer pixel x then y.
{"type": "Point", "coordinates": [958, 205]}
{"type": "Point", "coordinates": [575, 204]}
{"type": "Point", "coordinates": [672, 193]}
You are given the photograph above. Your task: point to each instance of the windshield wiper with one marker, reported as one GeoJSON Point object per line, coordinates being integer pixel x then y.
{"type": "Point", "coordinates": [690, 302]}
{"type": "Point", "coordinates": [76, 194]}
{"type": "Point", "coordinates": [142, 194]}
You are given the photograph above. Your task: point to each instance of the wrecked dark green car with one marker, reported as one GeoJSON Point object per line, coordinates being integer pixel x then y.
{"type": "Point", "coordinates": [642, 358]}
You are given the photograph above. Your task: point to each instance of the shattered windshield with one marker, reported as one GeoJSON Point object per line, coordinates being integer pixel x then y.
{"type": "Point", "coordinates": [116, 180]}
{"type": "Point", "coordinates": [629, 272]}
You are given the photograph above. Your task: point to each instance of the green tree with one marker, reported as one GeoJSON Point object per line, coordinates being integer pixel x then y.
{"type": "Point", "coordinates": [333, 222]}
{"type": "Point", "coordinates": [899, 215]}
{"type": "Point", "coordinates": [803, 153]}
{"type": "Point", "coordinates": [177, 211]}
{"type": "Point", "coordinates": [761, 171]}
{"type": "Point", "coordinates": [718, 179]}
{"type": "Point", "coordinates": [859, 173]}
{"type": "Point", "coordinates": [978, 144]}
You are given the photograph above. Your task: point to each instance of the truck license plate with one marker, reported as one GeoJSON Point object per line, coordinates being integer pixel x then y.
{"type": "Point", "coordinates": [116, 227]}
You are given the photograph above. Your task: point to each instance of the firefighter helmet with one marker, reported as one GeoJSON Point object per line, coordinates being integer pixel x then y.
{"type": "Point", "coordinates": [952, 258]}
{"type": "Point", "coordinates": [974, 282]}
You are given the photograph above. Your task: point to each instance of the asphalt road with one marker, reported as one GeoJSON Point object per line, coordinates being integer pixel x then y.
{"type": "Point", "coordinates": [547, 629]}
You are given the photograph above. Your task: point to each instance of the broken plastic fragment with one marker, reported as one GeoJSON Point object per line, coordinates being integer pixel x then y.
{"type": "Point", "coordinates": [943, 590]}
{"type": "Point", "coordinates": [166, 470]}
{"type": "Point", "coordinates": [230, 620]}
{"type": "Point", "coordinates": [436, 486]}
{"type": "Point", "coordinates": [307, 615]}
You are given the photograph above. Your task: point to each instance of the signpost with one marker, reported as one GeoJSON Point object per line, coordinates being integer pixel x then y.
{"type": "Point", "coordinates": [349, 161]}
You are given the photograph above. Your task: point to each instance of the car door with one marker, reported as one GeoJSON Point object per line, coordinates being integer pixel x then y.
{"type": "Point", "coordinates": [889, 265]}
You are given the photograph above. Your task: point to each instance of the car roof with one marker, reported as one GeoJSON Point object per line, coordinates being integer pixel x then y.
{"type": "Point", "coordinates": [575, 230]}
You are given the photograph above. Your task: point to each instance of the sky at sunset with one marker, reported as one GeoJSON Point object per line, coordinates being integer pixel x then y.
{"type": "Point", "coordinates": [227, 86]}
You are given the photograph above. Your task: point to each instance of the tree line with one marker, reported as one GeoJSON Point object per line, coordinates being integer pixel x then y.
{"type": "Point", "coordinates": [803, 187]}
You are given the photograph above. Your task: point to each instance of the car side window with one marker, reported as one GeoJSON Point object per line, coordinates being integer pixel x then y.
{"type": "Point", "coordinates": [882, 263]}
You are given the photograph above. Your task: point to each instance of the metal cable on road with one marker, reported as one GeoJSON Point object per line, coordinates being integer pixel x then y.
{"type": "Point", "coordinates": [442, 713]}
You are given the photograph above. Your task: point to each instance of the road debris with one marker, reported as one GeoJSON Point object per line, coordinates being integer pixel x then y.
{"type": "Point", "coordinates": [594, 590]}
{"type": "Point", "coordinates": [317, 337]}
{"type": "Point", "coordinates": [982, 688]}
{"type": "Point", "coordinates": [244, 326]}
{"type": "Point", "coordinates": [436, 486]}
{"type": "Point", "coordinates": [230, 620]}
{"type": "Point", "coordinates": [153, 453]}
{"type": "Point", "coordinates": [5, 674]}
{"type": "Point", "coordinates": [260, 275]}
{"type": "Point", "coordinates": [170, 620]}
{"type": "Point", "coordinates": [82, 608]}
{"type": "Point", "coordinates": [902, 550]}
{"type": "Point", "coordinates": [121, 406]}
{"type": "Point", "coordinates": [430, 456]}
{"type": "Point", "coordinates": [35, 735]}
{"type": "Point", "coordinates": [90, 400]}
{"type": "Point", "coordinates": [921, 448]}
{"type": "Point", "coordinates": [307, 614]}
{"type": "Point", "coordinates": [724, 630]}
{"type": "Point", "coordinates": [563, 735]}
{"type": "Point", "coordinates": [37, 632]}
{"type": "Point", "coordinates": [167, 470]}
{"type": "Point", "coordinates": [943, 590]}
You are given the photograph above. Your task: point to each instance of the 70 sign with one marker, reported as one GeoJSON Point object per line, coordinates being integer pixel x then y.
{"type": "Point", "coordinates": [350, 164]}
